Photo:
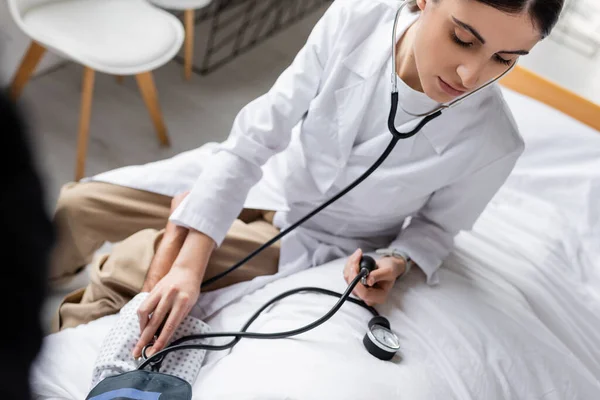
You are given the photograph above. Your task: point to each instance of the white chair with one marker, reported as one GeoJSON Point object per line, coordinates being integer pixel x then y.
{"type": "Point", "coordinates": [117, 37]}
{"type": "Point", "coordinates": [188, 7]}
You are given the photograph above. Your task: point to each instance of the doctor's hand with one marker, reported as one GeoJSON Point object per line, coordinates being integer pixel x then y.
{"type": "Point", "coordinates": [168, 304]}
{"type": "Point", "coordinates": [173, 297]}
{"type": "Point", "coordinates": [380, 281]}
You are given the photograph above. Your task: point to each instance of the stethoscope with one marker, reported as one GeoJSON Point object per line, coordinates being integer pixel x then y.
{"type": "Point", "coordinates": [380, 340]}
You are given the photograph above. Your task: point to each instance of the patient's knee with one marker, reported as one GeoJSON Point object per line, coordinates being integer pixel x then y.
{"type": "Point", "coordinates": [73, 203]}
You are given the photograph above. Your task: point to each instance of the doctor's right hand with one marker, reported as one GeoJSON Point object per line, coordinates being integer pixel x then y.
{"type": "Point", "coordinates": [168, 304]}
{"type": "Point", "coordinates": [173, 281]}
{"type": "Point", "coordinates": [173, 297]}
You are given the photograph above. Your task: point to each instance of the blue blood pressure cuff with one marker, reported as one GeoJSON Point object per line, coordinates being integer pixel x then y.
{"type": "Point", "coordinates": [142, 385]}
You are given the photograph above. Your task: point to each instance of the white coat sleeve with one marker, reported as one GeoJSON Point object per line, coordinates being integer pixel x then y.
{"type": "Point", "coordinates": [260, 130]}
{"type": "Point", "coordinates": [429, 237]}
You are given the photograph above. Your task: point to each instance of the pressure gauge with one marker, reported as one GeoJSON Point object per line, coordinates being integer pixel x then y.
{"type": "Point", "coordinates": [380, 341]}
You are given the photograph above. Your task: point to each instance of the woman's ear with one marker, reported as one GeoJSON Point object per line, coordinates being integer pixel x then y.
{"type": "Point", "coordinates": [421, 4]}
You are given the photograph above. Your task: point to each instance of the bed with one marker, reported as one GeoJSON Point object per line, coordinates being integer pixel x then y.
{"type": "Point", "coordinates": [517, 315]}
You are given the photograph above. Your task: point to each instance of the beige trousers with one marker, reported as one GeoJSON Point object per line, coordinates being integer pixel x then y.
{"type": "Point", "coordinates": [92, 213]}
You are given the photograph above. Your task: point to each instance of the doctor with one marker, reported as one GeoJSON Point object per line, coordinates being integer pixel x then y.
{"type": "Point", "coordinates": [321, 125]}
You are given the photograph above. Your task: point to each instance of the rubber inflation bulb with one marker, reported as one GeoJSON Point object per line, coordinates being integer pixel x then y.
{"type": "Point", "coordinates": [368, 263]}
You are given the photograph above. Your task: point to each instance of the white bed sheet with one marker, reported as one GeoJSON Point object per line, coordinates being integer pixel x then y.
{"type": "Point", "coordinates": [512, 319]}
{"type": "Point", "coordinates": [517, 314]}
{"type": "Point", "coordinates": [561, 162]}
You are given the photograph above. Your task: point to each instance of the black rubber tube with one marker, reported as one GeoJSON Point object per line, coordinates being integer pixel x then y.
{"type": "Point", "coordinates": [395, 137]}
{"type": "Point", "coordinates": [177, 345]}
{"type": "Point", "coordinates": [277, 335]}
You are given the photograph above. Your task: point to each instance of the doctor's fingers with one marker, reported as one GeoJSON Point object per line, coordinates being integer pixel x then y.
{"type": "Point", "coordinates": [349, 274]}
{"type": "Point", "coordinates": [146, 309]}
{"type": "Point", "coordinates": [384, 274]}
{"type": "Point", "coordinates": [351, 268]}
{"type": "Point", "coordinates": [371, 296]}
{"type": "Point", "coordinates": [178, 313]}
{"type": "Point", "coordinates": [158, 316]}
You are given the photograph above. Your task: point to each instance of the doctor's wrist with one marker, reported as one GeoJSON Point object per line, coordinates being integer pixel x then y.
{"type": "Point", "coordinates": [195, 252]}
{"type": "Point", "coordinates": [399, 266]}
{"type": "Point", "coordinates": [404, 262]}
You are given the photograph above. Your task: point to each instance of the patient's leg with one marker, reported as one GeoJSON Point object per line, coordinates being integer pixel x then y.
{"type": "Point", "coordinates": [117, 277]}
{"type": "Point", "coordinates": [91, 213]}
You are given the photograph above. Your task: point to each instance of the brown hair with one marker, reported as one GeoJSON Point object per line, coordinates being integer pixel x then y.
{"type": "Point", "coordinates": [545, 13]}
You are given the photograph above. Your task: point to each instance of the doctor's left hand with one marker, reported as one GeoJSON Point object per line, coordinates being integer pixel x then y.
{"type": "Point", "coordinates": [380, 281]}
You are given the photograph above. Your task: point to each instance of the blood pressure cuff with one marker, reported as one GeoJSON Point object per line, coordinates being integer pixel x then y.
{"type": "Point", "coordinates": [142, 385]}
{"type": "Point", "coordinates": [115, 371]}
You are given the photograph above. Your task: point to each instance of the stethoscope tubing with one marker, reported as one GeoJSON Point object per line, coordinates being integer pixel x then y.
{"type": "Point", "coordinates": [396, 136]}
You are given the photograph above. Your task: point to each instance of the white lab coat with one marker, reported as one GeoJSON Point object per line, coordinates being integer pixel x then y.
{"type": "Point", "coordinates": [319, 128]}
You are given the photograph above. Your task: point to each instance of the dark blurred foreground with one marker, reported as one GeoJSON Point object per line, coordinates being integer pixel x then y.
{"type": "Point", "coordinates": [26, 241]}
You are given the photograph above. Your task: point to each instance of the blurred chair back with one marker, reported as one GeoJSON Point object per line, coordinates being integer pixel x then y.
{"type": "Point", "coordinates": [18, 8]}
